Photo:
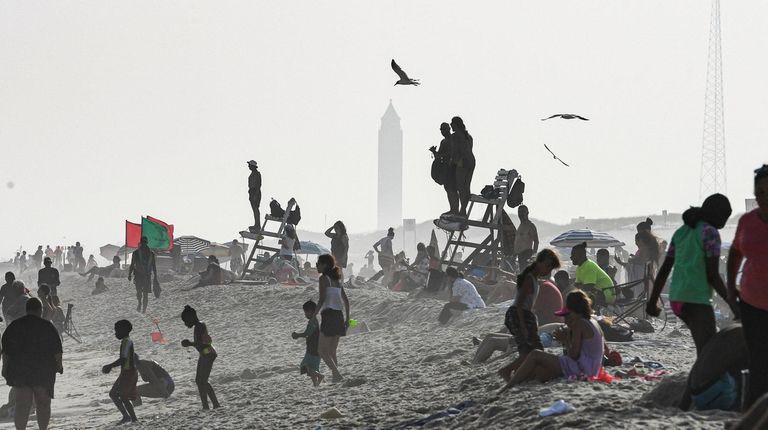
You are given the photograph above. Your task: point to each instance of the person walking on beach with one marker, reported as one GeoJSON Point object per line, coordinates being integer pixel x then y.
{"type": "Point", "coordinates": [202, 342]}
{"type": "Point", "coordinates": [254, 195]}
{"type": "Point", "coordinates": [339, 243]}
{"type": "Point", "coordinates": [31, 357]}
{"type": "Point", "coordinates": [124, 389]}
{"type": "Point", "coordinates": [386, 255]}
{"type": "Point", "coordinates": [50, 276]}
{"type": "Point", "coordinates": [464, 295]}
{"type": "Point", "coordinates": [236, 260]}
{"type": "Point", "coordinates": [526, 238]}
{"type": "Point", "coordinates": [142, 267]}
{"type": "Point", "coordinates": [520, 319]}
{"type": "Point", "coordinates": [332, 307]}
{"type": "Point", "coordinates": [58, 255]}
{"type": "Point", "coordinates": [464, 161]}
{"type": "Point", "coordinates": [77, 252]}
{"type": "Point", "coordinates": [751, 244]}
{"type": "Point", "coordinates": [7, 295]}
{"type": "Point", "coordinates": [311, 362]}
{"type": "Point", "coordinates": [694, 253]}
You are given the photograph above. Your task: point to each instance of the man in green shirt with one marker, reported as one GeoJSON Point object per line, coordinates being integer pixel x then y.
{"type": "Point", "coordinates": [591, 278]}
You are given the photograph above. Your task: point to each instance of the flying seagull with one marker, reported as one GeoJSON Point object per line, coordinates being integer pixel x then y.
{"type": "Point", "coordinates": [566, 116]}
{"type": "Point", "coordinates": [556, 157]}
{"type": "Point", "coordinates": [404, 79]}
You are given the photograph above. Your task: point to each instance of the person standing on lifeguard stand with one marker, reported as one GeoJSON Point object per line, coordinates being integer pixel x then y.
{"type": "Point", "coordinates": [254, 195]}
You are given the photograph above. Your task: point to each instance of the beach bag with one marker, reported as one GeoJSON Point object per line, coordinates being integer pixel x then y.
{"type": "Point", "coordinates": [156, 288]}
{"type": "Point", "coordinates": [614, 333]}
{"type": "Point", "coordinates": [295, 216]}
{"type": "Point", "coordinates": [515, 197]}
{"type": "Point", "coordinates": [275, 210]}
{"type": "Point", "coordinates": [440, 169]}
{"type": "Point", "coordinates": [721, 394]}
{"type": "Point", "coordinates": [490, 193]}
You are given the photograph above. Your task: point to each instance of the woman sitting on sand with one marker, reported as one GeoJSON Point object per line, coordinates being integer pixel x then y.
{"type": "Point", "coordinates": [332, 300]}
{"type": "Point", "coordinates": [582, 341]}
{"type": "Point", "coordinates": [212, 273]}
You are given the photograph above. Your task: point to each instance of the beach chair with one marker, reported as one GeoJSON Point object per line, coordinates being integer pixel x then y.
{"type": "Point", "coordinates": [631, 311]}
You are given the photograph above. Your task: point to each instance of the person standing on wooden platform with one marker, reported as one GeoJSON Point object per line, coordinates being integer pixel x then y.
{"type": "Point", "coordinates": [254, 195]}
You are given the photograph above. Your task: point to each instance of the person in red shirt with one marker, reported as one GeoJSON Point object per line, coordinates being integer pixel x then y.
{"type": "Point", "coordinates": [751, 244]}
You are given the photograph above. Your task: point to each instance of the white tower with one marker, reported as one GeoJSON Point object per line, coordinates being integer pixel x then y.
{"type": "Point", "coordinates": [390, 186]}
{"type": "Point", "coordinates": [713, 171]}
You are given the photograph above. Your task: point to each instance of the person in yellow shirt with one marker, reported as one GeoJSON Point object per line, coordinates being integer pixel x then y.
{"type": "Point", "coordinates": [590, 277]}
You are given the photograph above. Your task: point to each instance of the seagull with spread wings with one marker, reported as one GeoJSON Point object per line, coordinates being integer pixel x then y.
{"type": "Point", "coordinates": [566, 116]}
{"type": "Point", "coordinates": [556, 157]}
{"type": "Point", "coordinates": [404, 79]}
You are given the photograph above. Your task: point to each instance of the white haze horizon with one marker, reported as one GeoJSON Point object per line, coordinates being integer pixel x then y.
{"type": "Point", "coordinates": [113, 110]}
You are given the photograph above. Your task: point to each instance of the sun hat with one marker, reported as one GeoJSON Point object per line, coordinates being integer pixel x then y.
{"type": "Point", "coordinates": [563, 312]}
{"type": "Point", "coordinates": [252, 163]}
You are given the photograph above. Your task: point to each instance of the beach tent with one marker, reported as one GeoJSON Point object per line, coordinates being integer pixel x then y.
{"type": "Point", "coordinates": [594, 239]}
{"type": "Point", "coordinates": [191, 244]}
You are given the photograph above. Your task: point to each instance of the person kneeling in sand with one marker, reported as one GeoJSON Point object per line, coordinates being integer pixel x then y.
{"type": "Point", "coordinates": [159, 384]}
{"type": "Point", "coordinates": [311, 362]}
{"type": "Point", "coordinates": [583, 343]}
{"type": "Point", "coordinates": [464, 295]}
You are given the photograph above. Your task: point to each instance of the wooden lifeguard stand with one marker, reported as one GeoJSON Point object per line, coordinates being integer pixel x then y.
{"type": "Point", "coordinates": [251, 273]}
{"type": "Point", "coordinates": [492, 244]}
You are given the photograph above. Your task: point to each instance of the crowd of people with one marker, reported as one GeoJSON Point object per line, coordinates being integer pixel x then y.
{"type": "Point", "coordinates": [541, 293]}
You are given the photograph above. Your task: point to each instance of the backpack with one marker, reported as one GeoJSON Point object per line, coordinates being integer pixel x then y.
{"type": "Point", "coordinates": [515, 197]}
{"type": "Point", "coordinates": [275, 210]}
{"type": "Point", "coordinates": [440, 169]}
{"type": "Point", "coordinates": [295, 216]}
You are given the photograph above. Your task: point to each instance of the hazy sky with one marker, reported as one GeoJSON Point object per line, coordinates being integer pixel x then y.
{"type": "Point", "coordinates": [110, 110]}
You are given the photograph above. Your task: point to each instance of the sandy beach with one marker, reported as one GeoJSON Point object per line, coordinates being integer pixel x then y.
{"type": "Point", "coordinates": [406, 367]}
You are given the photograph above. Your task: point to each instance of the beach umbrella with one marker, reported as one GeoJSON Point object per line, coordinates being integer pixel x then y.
{"type": "Point", "coordinates": [191, 244]}
{"type": "Point", "coordinates": [594, 239]}
{"type": "Point", "coordinates": [312, 248]}
{"type": "Point", "coordinates": [108, 251]}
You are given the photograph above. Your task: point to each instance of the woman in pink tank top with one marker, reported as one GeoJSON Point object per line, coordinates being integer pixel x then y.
{"type": "Point", "coordinates": [583, 342]}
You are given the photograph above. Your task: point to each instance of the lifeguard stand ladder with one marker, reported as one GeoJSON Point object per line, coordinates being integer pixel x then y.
{"type": "Point", "coordinates": [250, 272]}
{"type": "Point", "coordinates": [491, 220]}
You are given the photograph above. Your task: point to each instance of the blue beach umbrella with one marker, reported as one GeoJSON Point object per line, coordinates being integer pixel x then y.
{"type": "Point", "coordinates": [594, 239]}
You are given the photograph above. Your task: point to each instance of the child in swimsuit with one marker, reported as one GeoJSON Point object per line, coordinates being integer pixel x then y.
{"type": "Point", "coordinates": [311, 362]}
{"type": "Point", "coordinates": [201, 342]}
{"type": "Point", "coordinates": [124, 390]}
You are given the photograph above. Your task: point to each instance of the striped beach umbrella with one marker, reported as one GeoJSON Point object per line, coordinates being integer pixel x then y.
{"type": "Point", "coordinates": [594, 239]}
{"type": "Point", "coordinates": [191, 244]}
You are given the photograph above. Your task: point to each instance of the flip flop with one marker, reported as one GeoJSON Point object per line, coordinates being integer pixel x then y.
{"type": "Point", "coordinates": [558, 408]}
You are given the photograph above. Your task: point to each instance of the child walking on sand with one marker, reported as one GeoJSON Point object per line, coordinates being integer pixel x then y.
{"type": "Point", "coordinates": [202, 342]}
{"type": "Point", "coordinates": [124, 390]}
{"type": "Point", "coordinates": [311, 362]}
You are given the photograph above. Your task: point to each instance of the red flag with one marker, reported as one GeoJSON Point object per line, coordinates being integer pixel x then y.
{"type": "Point", "coordinates": [132, 234]}
{"type": "Point", "coordinates": [168, 227]}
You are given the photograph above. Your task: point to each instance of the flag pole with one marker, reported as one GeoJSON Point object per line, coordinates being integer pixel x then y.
{"type": "Point", "coordinates": [125, 248]}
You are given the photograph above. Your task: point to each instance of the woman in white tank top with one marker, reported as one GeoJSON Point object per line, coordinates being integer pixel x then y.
{"type": "Point", "coordinates": [333, 323]}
